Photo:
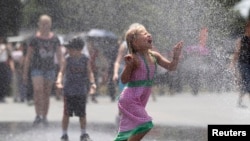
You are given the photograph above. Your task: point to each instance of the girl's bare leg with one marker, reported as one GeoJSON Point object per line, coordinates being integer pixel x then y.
{"type": "Point", "coordinates": [137, 137]}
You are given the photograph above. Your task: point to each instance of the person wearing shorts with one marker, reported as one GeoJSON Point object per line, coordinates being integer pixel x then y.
{"type": "Point", "coordinates": [43, 47]}
{"type": "Point", "coordinates": [75, 106]}
{"type": "Point", "coordinates": [78, 76]}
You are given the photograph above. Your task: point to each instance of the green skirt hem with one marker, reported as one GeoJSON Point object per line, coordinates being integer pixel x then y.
{"type": "Point", "coordinates": [139, 129]}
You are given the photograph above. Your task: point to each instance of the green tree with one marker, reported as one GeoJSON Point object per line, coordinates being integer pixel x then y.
{"type": "Point", "coordinates": [34, 8]}
{"type": "Point", "coordinates": [10, 13]}
{"type": "Point", "coordinates": [168, 20]}
{"type": "Point", "coordinates": [228, 3]}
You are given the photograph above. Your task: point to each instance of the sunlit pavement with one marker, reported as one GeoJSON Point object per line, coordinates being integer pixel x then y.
{"type": "Point", "coordinates": [179, 117]}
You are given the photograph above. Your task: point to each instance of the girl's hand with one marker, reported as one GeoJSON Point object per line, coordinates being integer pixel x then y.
{"type": "Point", "coordinates": [177, 49]}
{"type": "Point", "coordinates": [132, 63]}
{"type": "Point", "coordinates": [128, 59]}
{"type": "Point", "coordinates": [131, 60]}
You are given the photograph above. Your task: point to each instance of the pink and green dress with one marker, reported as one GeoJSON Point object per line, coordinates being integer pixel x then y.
{"type": "Point", "coordinates": [134, 118]}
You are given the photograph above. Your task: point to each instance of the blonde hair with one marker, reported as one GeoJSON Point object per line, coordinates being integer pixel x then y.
{"type": "Point", "coordinates": [45, 17]}
{"type": "Point", "coordinates": [131, 35]}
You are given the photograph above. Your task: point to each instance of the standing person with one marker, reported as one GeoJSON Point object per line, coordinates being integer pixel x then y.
{"type": "Point", "coordinates": [241, 58]}
{"type": "Point", "coordinates": [194, 70]}
{"type": "Point", "coordinates": [17, 54]}
{"type": "Point", "coordinates": [138, 75]}
{"type": "Point", "coordinates": [28, 88]}
{"type": "Point", "coordinates": [93, 53]}
{"type": "Point", "coordinates": [119, 64]}
{"type": "Point", "coordinates": [77, 72]}
{"type": "Point", "coordinates": [6, 68]}
{"type": "Point", "coordinates": [40, 58]}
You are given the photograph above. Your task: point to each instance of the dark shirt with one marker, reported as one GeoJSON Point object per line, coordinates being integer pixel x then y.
{"type": "Point", "coordinates": [244, 54]}
{"type": "Point", "coordinates": [76, 76]}
{"type": "Point", "coordinates": [44, 52]}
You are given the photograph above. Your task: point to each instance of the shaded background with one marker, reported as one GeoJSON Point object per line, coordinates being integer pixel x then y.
{"type": "Point", "coordinates": [168, 20]}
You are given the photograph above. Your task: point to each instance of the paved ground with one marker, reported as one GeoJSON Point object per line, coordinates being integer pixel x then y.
{"type": "Point", "coordinates": [183, 114]}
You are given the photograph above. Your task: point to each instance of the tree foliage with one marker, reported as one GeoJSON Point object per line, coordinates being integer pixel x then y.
{"type": "Point", "coordinates": [10, 13]}
{"type": "Point", "coordinates": [169, 21]}
{"type": "Point", "coordinates": [34, 8]}
{"type": "Point", "coordinates": [228, 3]}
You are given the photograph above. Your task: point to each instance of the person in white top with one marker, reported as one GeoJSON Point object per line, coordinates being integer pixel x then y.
{"type": "Point", "coordinates": [6, 68]}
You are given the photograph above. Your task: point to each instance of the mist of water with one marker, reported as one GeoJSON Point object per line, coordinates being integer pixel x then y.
{"type": "Point", "coordinates": [182, 20]}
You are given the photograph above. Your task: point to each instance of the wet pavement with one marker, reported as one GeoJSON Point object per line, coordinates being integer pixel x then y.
{"type": "Point", "coordinates": [182, 117]}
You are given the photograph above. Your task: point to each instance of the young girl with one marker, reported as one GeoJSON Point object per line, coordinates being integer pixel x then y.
{"type": "Point", "coordinates": [140, 67]}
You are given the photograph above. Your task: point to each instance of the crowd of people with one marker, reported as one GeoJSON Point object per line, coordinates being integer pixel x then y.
{"type": "Point", "coordinates": [44, 65]}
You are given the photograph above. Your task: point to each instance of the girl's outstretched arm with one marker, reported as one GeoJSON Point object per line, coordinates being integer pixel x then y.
{"type": "Point", "coordinates": [170, 65]}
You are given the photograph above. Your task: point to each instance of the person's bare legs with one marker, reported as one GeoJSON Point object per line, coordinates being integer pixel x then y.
{"type": "Point", "coordinates": [137, 137]}
{"type": "Point", "coordinates": [240, 99]}
{"type": "Point", "coordinates": [65, 122]}
{"type": "Point", "coordinates": [84, 135]}
{"type": "Point", "coordinates": [42, 89]}
{"type": "Point", "coordinates": [38, 94]}
{"type": "Point", "coordinates": [46, 96]}
{"type": "Point", "coordinates": [82, 121]}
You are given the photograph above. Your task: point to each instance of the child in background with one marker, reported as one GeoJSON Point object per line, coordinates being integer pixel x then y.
{"type": "Point", "coordinates": [78, 75]}
{"type": "Point", "coordinates": [140, 67]}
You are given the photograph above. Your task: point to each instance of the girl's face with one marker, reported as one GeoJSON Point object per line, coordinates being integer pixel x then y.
{"type": "Point", "coordinates": [143, 40]}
